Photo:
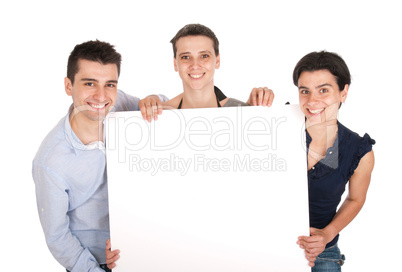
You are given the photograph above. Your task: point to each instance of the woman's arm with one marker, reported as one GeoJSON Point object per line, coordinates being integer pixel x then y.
{"type": "Point", "coordinates": [358, 186]}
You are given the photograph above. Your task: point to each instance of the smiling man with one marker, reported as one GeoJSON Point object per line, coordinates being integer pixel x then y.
{"type": "Point", "coordinates": [69, 168]}
{"type": "Point", "coordinates": [94, 92]}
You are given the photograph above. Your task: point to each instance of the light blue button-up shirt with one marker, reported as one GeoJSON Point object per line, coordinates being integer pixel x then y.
{"type": "Point", "coordinates": [71, 192]}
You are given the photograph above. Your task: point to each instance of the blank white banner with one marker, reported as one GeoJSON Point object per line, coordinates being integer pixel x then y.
{"type": "Point", "coordinates": [221, 189]}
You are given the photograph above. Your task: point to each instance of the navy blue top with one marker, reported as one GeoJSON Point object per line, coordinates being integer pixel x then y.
{"type": "Point", "coordinates": [328, 178]}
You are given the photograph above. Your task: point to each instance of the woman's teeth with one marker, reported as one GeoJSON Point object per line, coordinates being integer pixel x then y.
{"type": "Point", "coordinates": [315, 111]}
{"type": "Point", "coordinates": [196, 76]}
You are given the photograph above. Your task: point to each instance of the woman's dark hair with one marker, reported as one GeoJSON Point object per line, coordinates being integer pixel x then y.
{"type": "Point", "coordinates": [323, 60]}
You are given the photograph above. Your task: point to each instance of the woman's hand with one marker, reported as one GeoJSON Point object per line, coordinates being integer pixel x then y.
{"type": "Point", "coordinates": [314, 244]}
{"type": "Point", "coordinates": [261, 97]}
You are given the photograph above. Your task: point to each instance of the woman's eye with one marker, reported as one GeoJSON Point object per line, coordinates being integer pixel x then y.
{"type": "Point", "coordinates": [304, 91]}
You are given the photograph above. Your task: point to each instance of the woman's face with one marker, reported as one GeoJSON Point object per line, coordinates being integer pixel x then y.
{"type": "Point", "coordinates": [196, 61]}
{"type": "Point", "coordinates": [319, 96]}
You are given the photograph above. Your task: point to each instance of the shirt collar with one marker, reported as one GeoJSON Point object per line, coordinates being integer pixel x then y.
{"type": "Point", "coordinates": [75, 142]}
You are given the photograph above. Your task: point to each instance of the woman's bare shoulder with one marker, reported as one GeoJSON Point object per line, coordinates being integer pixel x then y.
{"type": "Point", "coordinates": [172, 103]}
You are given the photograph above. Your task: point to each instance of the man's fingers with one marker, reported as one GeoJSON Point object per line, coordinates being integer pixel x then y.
{"type": "Point", "coordinates": [150, 107]}
{"type": "Point", "coordinates": [160, 107]}
{"type": "Point", "coordinates": [108, 244]}
{"type": "Point", "coordinates": [143, 110]}
{"type": "Point", "coordinates": [112, 256]}
{"type": "Point", "coordinates": [148, 112]}
{"type": "Point", "coordinates": [154, 111]}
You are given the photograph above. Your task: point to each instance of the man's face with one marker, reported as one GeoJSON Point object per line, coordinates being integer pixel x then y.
{"type": "Point", "coordinates": [196, 61]}
{"type": "Point", "coordinates": [319, 96]}
{"type": "Point", "coordinates": [94, 90]}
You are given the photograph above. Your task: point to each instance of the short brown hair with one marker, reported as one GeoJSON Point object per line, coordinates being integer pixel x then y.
{"type": "Point", "coordinates": [195, 30]}
{"type": "Point", "coordinates": [101, 52]}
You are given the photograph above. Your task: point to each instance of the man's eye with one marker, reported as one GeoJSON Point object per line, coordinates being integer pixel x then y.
{"type": "Point", "coordinates": [304, 92]}
{"type": "Point", "coordinates": [185, 57]}
{"type": "Point", "coordinates": [324, 91]}
{"type": "Point", "coordinates": [90, 84]}
{"type": "Point", "coordinates": [111, 85]}
{"type": "Point", "coordinates": [205, 56]}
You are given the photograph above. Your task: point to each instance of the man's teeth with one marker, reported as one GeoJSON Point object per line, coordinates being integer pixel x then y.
{"type": "Point", "coordinates": [196, 76]}
{"type": "Point", "coordinates": [316, 111]}
{"type": "Point", "coordinates": [97, 106]}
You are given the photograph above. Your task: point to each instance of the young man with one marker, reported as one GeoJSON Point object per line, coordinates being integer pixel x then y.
{"type": "Point", "coordinates": [69, 168]}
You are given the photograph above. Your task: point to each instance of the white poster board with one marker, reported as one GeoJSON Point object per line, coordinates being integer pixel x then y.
{"type": "Point", "coordinates": [221, 189]}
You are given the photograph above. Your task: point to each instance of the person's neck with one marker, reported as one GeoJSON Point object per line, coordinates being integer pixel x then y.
{"type": "Point", "coordinates": [202, 98]}
{"type": "Point", "coordinates": [324, 134]}
{"type": "Point", "coordinates": [321, 139]}
{"type": "Point", "coordinates": [86, 130]}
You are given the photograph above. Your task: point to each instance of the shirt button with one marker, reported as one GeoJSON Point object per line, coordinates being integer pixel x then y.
{"type": "Point", "coordinates": [330, 152]}
{"type": "Point", "coordinates": [313, 167]}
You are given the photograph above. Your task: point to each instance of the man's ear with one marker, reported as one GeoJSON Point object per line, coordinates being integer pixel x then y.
{"type": "Point", "coordinates": [68, 86]}
{"type": "Point", "coordinates": [218, 61]}
{"type": "Point", "coordinates": [175, 65]}
{"type": "Point", "coordinates": [344, 93]}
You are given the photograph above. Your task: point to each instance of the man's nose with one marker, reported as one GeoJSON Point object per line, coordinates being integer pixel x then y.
{"type": "Point", "coordinates": [100, 93]}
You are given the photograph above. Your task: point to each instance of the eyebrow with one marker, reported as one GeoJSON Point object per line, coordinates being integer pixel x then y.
{"type": "Point", "coordinates": [317, 87]}
{"type": "Point", "coordinates": [323, 85]}
{"type": "Point", "coordinates": [95, 80]}
{"type": "Point", "coordinates": [88, 79]}
{"type": "Point", "coordinates": [201, 52]}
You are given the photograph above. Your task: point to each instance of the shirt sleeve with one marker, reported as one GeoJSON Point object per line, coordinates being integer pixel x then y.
{"type": "Point", "coordinates": [365, 145]}
{"type": "Point", "coordinates": [126, 102]}
{"type": "Point", "coordinates": [163, 98]}
{"type": "Point", "coordinates": [52, 203]}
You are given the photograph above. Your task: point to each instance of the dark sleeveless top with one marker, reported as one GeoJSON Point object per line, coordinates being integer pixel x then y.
{"type": "Point", "coordinates": [328, 178]}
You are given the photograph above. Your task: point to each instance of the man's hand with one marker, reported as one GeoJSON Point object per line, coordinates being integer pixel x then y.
{"type": "Point", "coordinates": [261, 97]}
{"type": "Point", "coordinates": [150, 107]}
{"type": "Point", "coordinates": [111, 256]}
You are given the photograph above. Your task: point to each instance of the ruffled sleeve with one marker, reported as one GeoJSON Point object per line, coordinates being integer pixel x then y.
{"type": "Point", "coordinates": [365, 146]}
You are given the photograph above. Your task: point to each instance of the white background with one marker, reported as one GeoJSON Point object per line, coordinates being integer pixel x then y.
{"type": "Point", "coordinates": [261, 41]}
{"type": "Point", "coordinates": [206, 219]}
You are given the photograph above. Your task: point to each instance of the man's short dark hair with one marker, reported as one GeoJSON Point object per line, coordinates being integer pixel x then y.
{"type": "Point", "coordinates": [323, 60]}
{"type": "Point", "coordinates": [195, 30]}
{"type": "Point", "coordinates": [101, 52]}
